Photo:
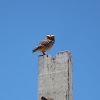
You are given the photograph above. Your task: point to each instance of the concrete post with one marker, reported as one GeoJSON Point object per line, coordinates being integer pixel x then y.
{"type": "Point", "coordinates": [55, 76]}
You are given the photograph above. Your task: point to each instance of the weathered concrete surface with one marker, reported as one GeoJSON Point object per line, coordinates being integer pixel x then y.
{"type": "Point", "coordinates": [55, 76]}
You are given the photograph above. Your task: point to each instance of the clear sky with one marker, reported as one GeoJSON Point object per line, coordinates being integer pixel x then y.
{"type": "Point", "coordinates": [25, 23]}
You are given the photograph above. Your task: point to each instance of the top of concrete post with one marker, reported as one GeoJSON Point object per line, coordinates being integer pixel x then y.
{"type": "Point", "coordinates": [45, 60]}
{"type": "Point", "coordinates": [62, 53]}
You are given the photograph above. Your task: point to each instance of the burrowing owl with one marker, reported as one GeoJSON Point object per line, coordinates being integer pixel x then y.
{"type": "Point", "coordinates": [46, 44]}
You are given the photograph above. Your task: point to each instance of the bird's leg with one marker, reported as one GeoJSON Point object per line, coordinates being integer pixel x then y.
{"type": "Point", "coordinates": [43, 53]}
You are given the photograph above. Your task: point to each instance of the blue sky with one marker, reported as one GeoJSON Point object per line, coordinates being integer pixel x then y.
{"type": "Point", "coordinates": [25, 23]}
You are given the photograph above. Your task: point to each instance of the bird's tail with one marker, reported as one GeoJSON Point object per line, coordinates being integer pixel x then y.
{"type": "Point", "coordinates": [36, 49]}
{"type": "Point", "coordinates": [33, 50]}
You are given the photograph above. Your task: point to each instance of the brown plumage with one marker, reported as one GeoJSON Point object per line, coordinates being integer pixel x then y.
{"type": "Point", "coordinates": [45, 45]}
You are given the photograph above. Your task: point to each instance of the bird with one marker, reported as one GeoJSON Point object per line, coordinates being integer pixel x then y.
{"type": "Point", "coordinates": [43, 98]}
{"type": "Point", "coordinates": [46, 44]}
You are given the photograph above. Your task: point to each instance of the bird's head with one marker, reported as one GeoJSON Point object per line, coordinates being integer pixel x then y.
{"type": "Point", "coordinates": [50, 37]}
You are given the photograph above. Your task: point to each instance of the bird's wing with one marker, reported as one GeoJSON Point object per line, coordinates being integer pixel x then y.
{"type": "Point", "coordinates": [45, 43]}
{"type": "Point", "coordinates": [41, 44]}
